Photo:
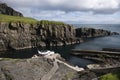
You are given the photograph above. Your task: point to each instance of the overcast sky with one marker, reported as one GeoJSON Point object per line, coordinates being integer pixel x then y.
{"type": "Point", "coordinates": [70, 11]}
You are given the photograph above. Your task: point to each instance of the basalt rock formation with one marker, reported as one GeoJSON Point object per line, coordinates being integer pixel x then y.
{"type": "Point", "coordinates": [91, 32]}
{"type": "Point", "coordinates": [4, 9]}
{"type": "Point", "coordinates": [20, 35]}
{"type": "Point", "coordinates": [24, 35]}
{"type": "Point", "coordinates": [22, 32]}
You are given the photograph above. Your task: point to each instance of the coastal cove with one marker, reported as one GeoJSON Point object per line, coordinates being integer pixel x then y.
{"type": "Point", "coordinates": [64, 51]}
{"type": "Point", "coordinates": [90, 44]}
{"type": "Point", "coordinates": [52, 41]}
{"type": "Point", "coordinates": [47, 35]}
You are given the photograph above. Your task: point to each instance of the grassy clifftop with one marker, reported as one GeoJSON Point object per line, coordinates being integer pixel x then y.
{"type": "Point", "coordinates": [7, 18]}
{"type": "Point", "coordinates": [51, 22]}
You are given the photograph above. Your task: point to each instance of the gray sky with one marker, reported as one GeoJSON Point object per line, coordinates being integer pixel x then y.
{"type": "Point", "coordinates": [70, 11]}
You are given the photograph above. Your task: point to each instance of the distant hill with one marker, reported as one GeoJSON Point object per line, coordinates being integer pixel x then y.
{"type": "Point", "coordinates": [4, 9]}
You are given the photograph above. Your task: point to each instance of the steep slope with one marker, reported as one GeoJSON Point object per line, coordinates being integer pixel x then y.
{"type": "Point", "coordinates": [91, 32]}
{"type": "Point", "coordinates": [20, 33]}
{"type": "Point", "coordinates": [4, 9]}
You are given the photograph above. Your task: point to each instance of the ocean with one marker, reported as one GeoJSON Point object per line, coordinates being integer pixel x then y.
{"type": "Point", "coordinates": [97, 43]}
{"type": "Point", "coordinates": [101, 42]}
{"type": "Point", "coordinates": [110, 27]}
{"type": "Point", "coordinates": [90, 44]}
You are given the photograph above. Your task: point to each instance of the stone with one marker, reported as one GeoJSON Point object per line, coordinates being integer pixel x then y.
{"type": "Point", "coordinates": [34, 69]}
{"type": "Point", "coordinates": [4, 9]}
{"type": "Point", "coordinates": [90, 32]}
{"type": "Point", "coordinates": [2, 45]}
{"type": "Point", "coordinates": [23, 35]}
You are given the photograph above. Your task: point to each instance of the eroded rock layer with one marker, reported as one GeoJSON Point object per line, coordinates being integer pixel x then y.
{"type": "Point", "coordinates": [23, 35]}
{"type": "Point", "coordinates": [91, 32]}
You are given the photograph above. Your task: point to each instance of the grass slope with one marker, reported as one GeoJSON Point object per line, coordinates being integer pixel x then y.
{"type": "Point", "coordinates": [51, 22]}
{"type": "Point", "coordinates": [7, 18]}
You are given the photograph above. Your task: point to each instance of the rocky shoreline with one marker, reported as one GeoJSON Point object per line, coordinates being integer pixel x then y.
{"type": "Point", "coordinates": [24, 35]}
{"type": "Point", "coordinates": [52, 67]}
{"type": "Point", "coordinates": [41, 68]}
{"type": "Point", "coordinates": [91, 32]}
{"type": "Point", "coordinates": [21, 35]}
{"type": "Point", "coordinates": [107, 61]}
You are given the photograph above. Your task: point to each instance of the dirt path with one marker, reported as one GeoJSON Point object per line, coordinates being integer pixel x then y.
{"type": "Point", "coordinates": [49, 75]}
{"type": "Point", "coordinates": [72, 67]}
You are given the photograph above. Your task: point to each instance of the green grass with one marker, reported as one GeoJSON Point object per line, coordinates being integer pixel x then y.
{"type": "Point", "coordinates": [7, 18]}
{"type": "Point", "coordinates": [68, 76]}
{"type": "Point", "coordinates": [111, 76]}
{"type": "Point", "coordinates": [2, 59]}
{"type": "Point", "coordinates": [51, 22]}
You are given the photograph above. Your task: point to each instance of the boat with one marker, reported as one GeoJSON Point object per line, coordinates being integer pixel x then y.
{"type": "Point", "coordinates": [45, 52]}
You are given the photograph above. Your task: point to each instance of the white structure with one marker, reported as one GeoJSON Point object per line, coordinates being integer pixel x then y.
{"type": "Point", "coordinates": [46, 53]}
{"type": "Point", "coordinates": [51, 55]}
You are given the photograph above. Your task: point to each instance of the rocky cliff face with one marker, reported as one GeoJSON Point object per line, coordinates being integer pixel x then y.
{"type": "Point", "coordinates": [23, 35]}
{"type": "Point", "coordinates": [91, 32]}
{"type": "Point", "coordinates": [4, 9]}
{"type": "Point", "coordinates": [19, 35]}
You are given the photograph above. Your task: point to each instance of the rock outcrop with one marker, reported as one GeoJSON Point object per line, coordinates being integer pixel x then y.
{"type": "Point", "coordinates": [106, 61]}
{"type": "Point", "coordinates": [39, 69]}
{"type": "Point", "coordinates": [91, 32]}
{"type": "Point", "coordinates": [24, 35]}
{"type": "Point", "coordinates": [20, 35]}
{"type": "Point", "coordinates": [34, 69]}
{"type": "Point", "coordinates": [4, 9]}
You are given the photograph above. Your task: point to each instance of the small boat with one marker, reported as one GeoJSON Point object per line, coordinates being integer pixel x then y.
{"type": "Point", "coordinates": [45, 52]}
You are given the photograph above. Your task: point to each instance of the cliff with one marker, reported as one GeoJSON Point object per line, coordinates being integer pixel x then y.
{"type": "Point", "coordinates": [23, 32]}
{"type": "Point", "coordinates": [20, 35]}
{"type": "Point", "coordinates": [91, 32]}
{"type": "Point", "coordinates": [17, 32]}
{"type": "Point", "coordinates": [4, 9]}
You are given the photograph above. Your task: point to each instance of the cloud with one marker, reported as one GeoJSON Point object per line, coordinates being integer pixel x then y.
{"type": "Point", "coordinates": [77, 11]}
{"type": "Point", "coordinates": [108, 6]}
